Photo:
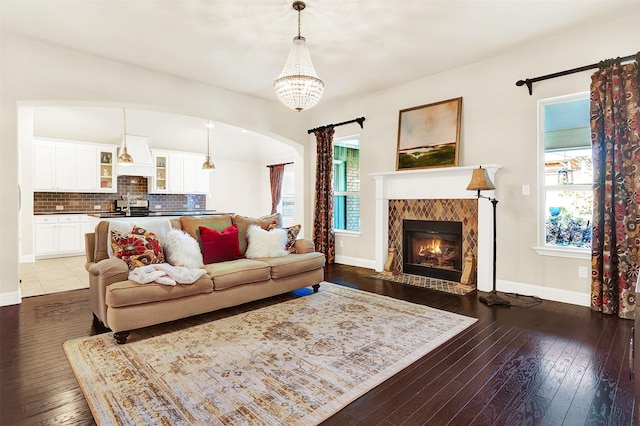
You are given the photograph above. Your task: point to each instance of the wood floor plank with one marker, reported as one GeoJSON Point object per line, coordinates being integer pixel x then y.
{"type": "Point", "coordinates": [550, 364]}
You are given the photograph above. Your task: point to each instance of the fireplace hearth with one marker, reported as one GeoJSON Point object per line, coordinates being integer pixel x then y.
{"type": "Point", "coordinates": [432, 249]}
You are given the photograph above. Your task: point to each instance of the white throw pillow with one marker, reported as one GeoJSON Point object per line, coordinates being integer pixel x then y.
{"type": "Point", "coordinates": [181, 249]}
{"type": "Point", "coordinates": [266, 243]}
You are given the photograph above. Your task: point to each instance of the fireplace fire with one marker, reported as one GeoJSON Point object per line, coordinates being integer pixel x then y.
{"type": "Point", "coordinates": [432, 249]}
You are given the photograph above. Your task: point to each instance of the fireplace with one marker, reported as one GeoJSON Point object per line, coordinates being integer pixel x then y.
{"type": "Point", "coordinates": [432, 248]}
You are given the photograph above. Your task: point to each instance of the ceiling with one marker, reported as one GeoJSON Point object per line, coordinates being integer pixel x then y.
{"type": "Point", "coordinates": [242, 45]}
{"type": "Point", "coordinates": [163, 130]}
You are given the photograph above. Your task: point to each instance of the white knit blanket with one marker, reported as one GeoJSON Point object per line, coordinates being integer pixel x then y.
{"type": "Point", "coordinates": [164, 273]}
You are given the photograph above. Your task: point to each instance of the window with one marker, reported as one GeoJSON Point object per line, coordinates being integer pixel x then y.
{"type": "Point", "coordinates": [286, 202]}
{"type": "Point", "coordinates": [566, 170]}
{"type": "Point", "coordinates": [346, 184]}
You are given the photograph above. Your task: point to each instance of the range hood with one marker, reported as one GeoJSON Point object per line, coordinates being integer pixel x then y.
{"type": "Point", "coordinates": [138, 148]}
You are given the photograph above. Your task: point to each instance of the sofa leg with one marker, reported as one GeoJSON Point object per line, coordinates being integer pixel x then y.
{"type": "Point", "coordinates": [316, 287]}
{"type": "Point", "coordinates": [121, 337]}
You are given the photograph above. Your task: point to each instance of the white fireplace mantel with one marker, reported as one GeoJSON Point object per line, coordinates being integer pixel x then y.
{"type": "Point", "coordinates": [438, 183]}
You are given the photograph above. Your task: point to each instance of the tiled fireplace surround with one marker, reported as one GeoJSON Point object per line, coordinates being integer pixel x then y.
{"type": "Point", "coordinates": [435, 194]}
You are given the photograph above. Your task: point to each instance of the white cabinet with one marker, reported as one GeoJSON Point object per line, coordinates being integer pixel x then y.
{"type": "Point", "coordinates": [61, 235]}
{"type": "Point", "coordinates": [175, 174]}
{"type": "Point", "coordinates": [107, 179]}
{"type": "Point", "coordinates": [54, 166]}
{"type": "Point", "coordinates": [179, 173]}
{"type": "Point", "coordinates": [64, 166]}
{"type": "Point", "coordinates": [85, 167]}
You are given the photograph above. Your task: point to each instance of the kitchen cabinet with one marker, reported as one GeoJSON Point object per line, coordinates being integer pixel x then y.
{"type": "Point", "coordinates": [63, 166]}
{"type": "Point", "coordinates": [179, 173]}
{"type": "Point", "coordinates": [159, 181]}
{"type": "Point", "coordinates": [107, 180]}
{"type": "Point", "coordinates": [61, 235]}
{"type": "Point", "coordinates": [175, 174]}
{"type": "Point", "coordinates": [53, 162]}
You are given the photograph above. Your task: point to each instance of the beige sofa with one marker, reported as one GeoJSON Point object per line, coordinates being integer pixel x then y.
{"type": "Point", "coordinates": [123, 305]}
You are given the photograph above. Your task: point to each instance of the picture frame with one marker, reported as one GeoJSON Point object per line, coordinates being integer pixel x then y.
{"type": "Point", "coordinates": [429, 135]}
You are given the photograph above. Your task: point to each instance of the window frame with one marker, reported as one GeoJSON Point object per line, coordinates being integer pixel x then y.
{"type": "Point", "coordinates": [542, 248]}
{"type": "Point", "coordinates": [348, 232]}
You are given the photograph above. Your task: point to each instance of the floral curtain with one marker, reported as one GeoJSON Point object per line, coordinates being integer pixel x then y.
{"type": "Point", "coordinates": [323, 236]}
{"type": "Point", "coordinates": [276, 175]}
{"type": "Point", "coordinates": [615, 122]}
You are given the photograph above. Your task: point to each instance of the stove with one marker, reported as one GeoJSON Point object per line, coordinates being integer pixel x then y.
{"type": "Point", "coordinates": [136, 208]}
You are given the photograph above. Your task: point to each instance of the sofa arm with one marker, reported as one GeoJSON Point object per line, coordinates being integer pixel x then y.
{"type": "Point", "coordinates": [109, 270]}
{"type": "Point", "coordinates": [304, 245]}
{"type": "Point", "coordinates": [101, 275]}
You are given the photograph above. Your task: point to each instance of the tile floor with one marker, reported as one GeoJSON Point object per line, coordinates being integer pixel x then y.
{"type": "Point", "coordinates": [53, 276]}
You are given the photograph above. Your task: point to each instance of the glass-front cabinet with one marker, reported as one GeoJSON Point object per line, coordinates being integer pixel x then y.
{"type": "Point", "coordinates": [160, 179]}
{"type": "Point", "coordinates": [108, 179]}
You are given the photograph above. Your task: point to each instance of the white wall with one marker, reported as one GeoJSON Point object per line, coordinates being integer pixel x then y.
{"type": "Point", "coordinates": [499, 127]}
{"type": "Point", "coordinates": [35, 73]}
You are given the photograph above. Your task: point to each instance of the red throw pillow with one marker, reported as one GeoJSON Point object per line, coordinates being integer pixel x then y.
{"type": "Point", "coordinates": [220, 246]}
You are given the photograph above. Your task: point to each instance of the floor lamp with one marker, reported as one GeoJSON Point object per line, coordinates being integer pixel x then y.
{"type": "Point", "coordinates": [480, 181]}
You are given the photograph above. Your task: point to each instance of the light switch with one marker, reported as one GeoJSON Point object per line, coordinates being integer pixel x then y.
{"type": "Point", "coordinates": [526, 190]}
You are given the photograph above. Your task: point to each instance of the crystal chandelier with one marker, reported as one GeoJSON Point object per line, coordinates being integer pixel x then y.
{"type": "Point", "coordinates": [298, 85]}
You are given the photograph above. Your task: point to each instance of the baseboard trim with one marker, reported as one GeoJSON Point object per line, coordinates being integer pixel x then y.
{"type": "Point", "coordinates": [10, 298]}
{"type": "Point", "coordinates": [355, 261]}
{"type": "Point", "coordinates": [547, 293]}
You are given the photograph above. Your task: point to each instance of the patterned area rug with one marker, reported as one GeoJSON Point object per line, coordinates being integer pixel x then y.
{"type": "Point", "coordinates": [294, 363]}
{"type": "Point", "coordinates": [426, 282]}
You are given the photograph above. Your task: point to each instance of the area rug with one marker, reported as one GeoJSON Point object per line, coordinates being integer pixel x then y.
{"type": "Point", "coordinates": [296, 363]}
{"type": "Point", "coordinates": [426, 282]}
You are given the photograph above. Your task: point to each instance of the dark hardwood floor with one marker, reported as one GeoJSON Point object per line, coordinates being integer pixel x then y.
{"type": "Point", "coordinates": [548, 364]}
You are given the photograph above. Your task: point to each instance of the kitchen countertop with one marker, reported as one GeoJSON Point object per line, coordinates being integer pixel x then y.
{"type": "Point", "coordinates": [108, 215]}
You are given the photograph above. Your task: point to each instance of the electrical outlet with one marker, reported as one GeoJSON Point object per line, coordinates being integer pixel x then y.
{"type": "Point", "coordinates": [59, 207]}
{"type": "Point", "coordinates": [583, 272]}
{"type": "Point", "coordinates": [158, 206]}
{"type": "Point", "coordinates": [97, 207]}
{"type": "Point", "coordinates": [526, 190]}
{"type": "Point", "coordinates": [197, 206]}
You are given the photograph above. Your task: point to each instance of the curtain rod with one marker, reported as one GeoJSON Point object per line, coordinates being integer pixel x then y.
{"type": "Point", "coordinates": [281, 164]}
{"type": "Point", "coordinates": [329, 126]}
{"type": "Point", "coordinates": [529, 81]}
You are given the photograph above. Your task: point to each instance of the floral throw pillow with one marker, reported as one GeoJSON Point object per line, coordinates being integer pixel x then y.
{"type": "Point", "coordinates": [292, 236]}
{"type": "Point", "coordinates": [138, 248]}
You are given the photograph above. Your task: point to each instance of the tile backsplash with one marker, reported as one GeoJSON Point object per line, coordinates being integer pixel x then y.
{"type": "Point", "coordinates": [46, 202]}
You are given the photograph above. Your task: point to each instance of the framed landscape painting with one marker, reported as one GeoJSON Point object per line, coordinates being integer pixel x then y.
{"type": "Point", "coordinates": [429, 135]}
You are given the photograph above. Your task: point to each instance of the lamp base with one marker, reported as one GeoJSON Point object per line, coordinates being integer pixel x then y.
{"type": "Point", "coordinates": [492, 299]}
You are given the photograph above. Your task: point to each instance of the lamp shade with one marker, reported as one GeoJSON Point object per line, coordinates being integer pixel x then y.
{"type": "Point", "coordinates": [298, 85]}
{"type": "Point", "coordinates": [480, 181]}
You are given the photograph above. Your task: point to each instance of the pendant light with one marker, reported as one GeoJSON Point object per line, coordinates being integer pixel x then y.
{"type": "Point", "coordinates": [124, 159]}
{"type": "Point", "coordinates": [298, 85]}
{"type": "Point", "coordinates": [208, 165]}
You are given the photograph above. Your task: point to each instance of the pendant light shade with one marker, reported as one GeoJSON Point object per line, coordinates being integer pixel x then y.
{"type": "Point", "coordinates": [124, 159]}
{"type": "Point", "coordinates": [298, 85]}
{"type": "Point", "coordinates": [208, 165]}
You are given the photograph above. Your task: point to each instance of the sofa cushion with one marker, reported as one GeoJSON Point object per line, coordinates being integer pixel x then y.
{"type": "Point", "coordinates": [127, 293]}
{"type": "Point", "coordinates": [263, 222]}
{"type": "Point", "coordinates": [237, 272]}
{"type": "Point", "coordinates": [181, 249]}
{"type": "Point", "coordinates": [292, 236]}
{"type": "Point", "coordinates": [220, 246]}
{"type": "Point", "coordinates": [138, 248]}
{"type": "Point", "coordinates": [190, 224]}
{"type": "Point", "coordinates": [293, 264]}
{"type": "Point", "coordinates": [263, 243]}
